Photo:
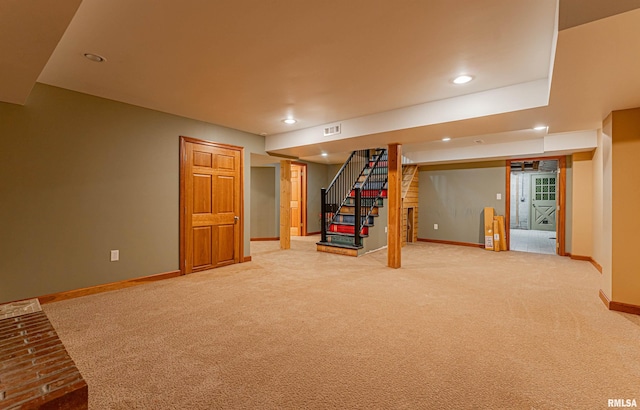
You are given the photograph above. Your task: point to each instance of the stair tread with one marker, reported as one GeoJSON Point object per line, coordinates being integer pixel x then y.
{"type": "Point", "coordinates": [339, 245]}
{"type": "Point", "coordinates": [362, 235]}
{"type": "Point", "coordinates": [352, 214]}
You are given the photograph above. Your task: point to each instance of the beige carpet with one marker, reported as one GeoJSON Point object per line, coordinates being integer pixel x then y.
{"type": "Point", "coordinates": [455, 327]}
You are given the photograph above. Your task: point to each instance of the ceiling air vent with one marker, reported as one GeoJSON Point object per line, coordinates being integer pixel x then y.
{"type": "Point", "coordinates": [332, 130]}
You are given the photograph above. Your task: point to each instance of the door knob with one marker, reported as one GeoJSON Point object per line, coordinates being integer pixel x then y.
{"type": "Point", "coordinates": [236, 219]}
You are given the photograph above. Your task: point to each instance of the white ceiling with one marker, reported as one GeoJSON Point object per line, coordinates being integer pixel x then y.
{"type": "Point", "coordinates": [247, 64]}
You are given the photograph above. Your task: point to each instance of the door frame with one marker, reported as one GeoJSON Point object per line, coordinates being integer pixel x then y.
{"type": "Point", "coordinates": [303, 196]}
{"type": "Point", "coordinates": [182, 206]}
{"type": "Point", "coordinates": [562, 200]}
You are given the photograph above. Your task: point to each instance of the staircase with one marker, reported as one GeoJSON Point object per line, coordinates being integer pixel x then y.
{"type": "Point", "coordinates": [362, 181]}
{"type": "Point", "coordinates": [408, 172]}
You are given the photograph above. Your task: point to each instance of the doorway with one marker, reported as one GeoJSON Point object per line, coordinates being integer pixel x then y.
{"type": "Point", "coordinates": [410, 224]}
{"type": "Point", "coordinates": [535, 206]}
{"type": "Point", "coordinates": [211, 205]}
{"type": "Point", "coordinates": [298, 199]}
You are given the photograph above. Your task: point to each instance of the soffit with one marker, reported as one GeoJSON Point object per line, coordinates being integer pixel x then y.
{"type": "Point", "coordinates": [247, 64]}
{"type": "Point", "coordinates": [576, 12]}
{"type": "Point", "coordinates": [29, 33]}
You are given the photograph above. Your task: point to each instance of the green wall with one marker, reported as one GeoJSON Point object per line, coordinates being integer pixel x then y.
{"type": "Point", "coordinates": [454, 197]}
{"type": "Point", "coordinates": [266, 198]}
{"type": "Point", "coordinates": [81, 175]}
{"type": "Point", "coordinates": [264, 209]}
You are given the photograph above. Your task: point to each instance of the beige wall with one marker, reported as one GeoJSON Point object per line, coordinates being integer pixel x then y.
{"type": "Point", "coordinates": [582, 205]}
{"type": "Point", "coordinates": [625, 199]}
{"type": "Point", "coordinates": [602, 205]}
{"type": "Point", "coordinates": [264, 217]}
{"type": "Point", "coordinates": [81, 175]}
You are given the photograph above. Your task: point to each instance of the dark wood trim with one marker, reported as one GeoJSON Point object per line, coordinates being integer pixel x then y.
{"type": "Point", "coordinates": [76, 293]}
{"type": "Point", "coordinates": [469, 244]}
{"type": "Point", "coordinates": [579, 257]}
{"type": "Point", "coordinates": [313, 233]}
{"type": "Point", "coordinates": [275, 238]}
{"type": "Point", "coordinates": [561, 201]}
{"type": "Point", "coordinates": [604, 299]}
{"type": "Point", "coordinates": [587, 259]}
{"type": "Point", "coordinates": [624, 307]}
{"type": "Point", "coordinates": [618, 306]}
{"type": "Point", "coordinates": [247, 259]}
{"type": "Point", "coordinates": [181, 205]}
{"type": "Point", "coordinates": [211, 143]}
{"type": "Point", "coordinates": [181, 220]}
{"type": "Point", "coordinates": [241, 244]}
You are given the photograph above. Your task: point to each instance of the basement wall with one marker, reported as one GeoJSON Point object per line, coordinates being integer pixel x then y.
{"type": "Point", "coordinates": [269, 177]}
{"type": "Point", "coordinates": [581, 230]}
{"type": "Point", "coordinates": [602, 167]}
{"type": "Point", "coordinates": [625, 265]}
{"type": "Point", "coordinates": [454, 197]}
{"type": "Point", "coordinates": [82, 175]}
{"type": "Point", "coordinates": [264, 212]}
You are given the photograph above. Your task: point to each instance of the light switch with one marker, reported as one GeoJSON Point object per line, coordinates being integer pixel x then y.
{"type": "Point", "coordinates": [498, 196]}
{"type": "Point", "coordinates": [435, 226]}
{"type": "Point", "coordinates": [115, 255]}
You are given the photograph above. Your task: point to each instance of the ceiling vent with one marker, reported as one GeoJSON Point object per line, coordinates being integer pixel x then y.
{"type": "Point", "coordinates": [332, 130]}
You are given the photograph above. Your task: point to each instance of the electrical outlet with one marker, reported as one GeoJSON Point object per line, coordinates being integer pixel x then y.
{"type": "Point", "coordinates": [115, 255]}
{"type": "Point", "coordinates": [435, 226]}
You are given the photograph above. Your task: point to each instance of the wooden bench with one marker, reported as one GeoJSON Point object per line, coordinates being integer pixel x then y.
{"type": "Point", "coordinates": [36, 372]}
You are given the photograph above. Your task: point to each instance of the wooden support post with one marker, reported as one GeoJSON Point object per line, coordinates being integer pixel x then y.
{"type": "Point", "coordinates": [285, 204]}
{"type": "Point", "coordinates": [394, 194]}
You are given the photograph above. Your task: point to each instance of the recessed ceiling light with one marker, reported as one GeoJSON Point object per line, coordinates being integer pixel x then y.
{"type": "Point", "coordinates": [445, 139]}
{"type": "Point", "coordinates": [540, 127]}
{"type": "Point", "coordinates": [94, 57]}
{"type": "Point", "coordinates": [289, 121]}
{"type": "Point", "coordinates": [324, 154]}
{"type": "Point", "coordinates": [462, 79]}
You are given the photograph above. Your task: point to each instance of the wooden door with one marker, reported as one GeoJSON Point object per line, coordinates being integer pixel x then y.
{"type": "Point", "coordinates": [296, 193]}
{"type": "Point", "coordinates": [543, 201]}
{"type": "Point", "coordinates": [211, 202]}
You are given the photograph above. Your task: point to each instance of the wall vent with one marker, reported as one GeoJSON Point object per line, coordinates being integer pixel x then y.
{"type": "Point", "coordinates": [332, 130]}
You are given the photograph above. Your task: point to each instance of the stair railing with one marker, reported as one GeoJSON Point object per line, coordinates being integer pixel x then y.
{"type": "Point", "coordinates": [333, 197]}
{"type": "Point", "coordinates": [373, 184]}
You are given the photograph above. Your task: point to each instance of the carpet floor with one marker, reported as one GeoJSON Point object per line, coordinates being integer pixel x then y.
{"type": "Point", "coordinates": [455, 327]}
